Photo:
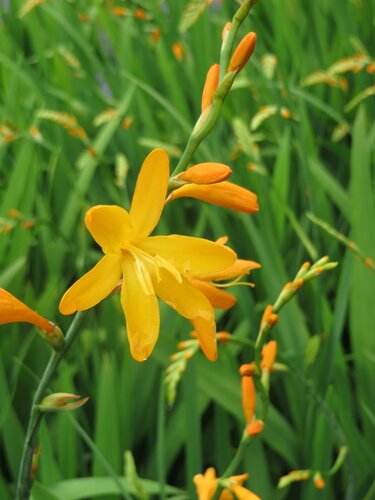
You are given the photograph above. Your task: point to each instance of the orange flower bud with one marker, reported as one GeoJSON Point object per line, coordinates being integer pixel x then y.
{"type": "Point", "coordinates": [318, 481]}
{"type": "Point", "coordinates": [370, 68]}
{"type": "Point", "coordinates": [269, 318]}
{"type": "Point", "coordinates": [14, 213]}
{"type": "Point", "coordinates": [243, 52]}
{"type": "Point", "coordinates": [140, 14]}
{"type": "Point", "coordinates": [155, 35]}
{"type": "Point", "coordinates": [119, 11]}
{"type": "Point", "coordinates": [178, 51]}
{"type": "Point", "coordinates": [248, 397]}
{"type": "Point", "coordinates": [369, 262]}
{"type": "Point", "coordinates": [269, 352]}
{"type": "Point", "coordinates": [210, 86]}
{"type": "Point", "coordinates": [254, 428]}
{"type": "Point", "coordinates": [248, 369]}
{"type": "Point", "coordinates": [206, 173]}
{"type": "Point", "coordinates": [224, 194]}
{"type": "Point", "coordinates": [223, 337]}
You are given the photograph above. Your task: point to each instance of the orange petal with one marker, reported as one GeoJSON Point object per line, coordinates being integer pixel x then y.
{"type": "Point", "coordinates": [13, 310]}
{"type": "Point", "coordinates": [219, 298]}
{"type": "Point", "coordinates": [109, 225]}
{"type": "Point", "coordinates": [150, 193]}
{"type": "Point", "coordinates": [190, 303]}
{"type": "Point", "coordinates": [94, 286]}
{"type": "Point", "coordinates": [206, 173]}
{"type": "Point", "coordinates": [210, 86]}
{"type": "Point", "coordinates": [188, 254]}
{"type": "Point", "coordinates": [141, 311]}
{"type": "Point", "coordinates": [224, 194]}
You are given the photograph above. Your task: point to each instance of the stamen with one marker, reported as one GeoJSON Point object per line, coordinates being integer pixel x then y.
{"type": "Point", "coordinates": [169, 267]}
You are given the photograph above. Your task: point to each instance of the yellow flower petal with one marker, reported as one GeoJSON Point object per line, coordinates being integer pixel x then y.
{"type": "Point", "coordinates": [141, 310]}
{"type": "Point", "coordinates": [206, 333]}
{"type": "Point", "coordinates": [94, 286]}
{"type": "Point", "coordinates": [238, 268]}
{"type": "Point", "coordinates": [150, 193]}
{"type": "Point", "coordinates": [218, 298]}
{"type": "Point", "coordinates": [190, 255]}
{"type": "Point", "coordinates": [243, 493]}
{"type": "Point", "coordinates": [190, 303]}
{"type": "Point", "coordinates": [224, 194]}
{"type": "Point", "coordinates": [13, 310]}
{"type": "Point", "coordinates": [109, 225]}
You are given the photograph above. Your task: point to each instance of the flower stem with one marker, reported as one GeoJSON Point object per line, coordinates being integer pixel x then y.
{"type": "Point", "coordinates": [35, 419]}
{"type": "Point", "coordinates": [207, 120]}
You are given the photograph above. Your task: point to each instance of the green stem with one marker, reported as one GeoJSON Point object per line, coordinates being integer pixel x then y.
{"type": "Point", "coordinates": [236, 461]}
{"type": "Point", "coordinates": [225, 83]}
{"type": "Point", "coordinates": [24, 478]}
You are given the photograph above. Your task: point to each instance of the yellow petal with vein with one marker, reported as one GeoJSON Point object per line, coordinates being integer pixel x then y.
{"type": "Point", "coordinates": [109, 225]}
{"type": "Point", "coordinates": [196, 256]}
{"type": "Point", "coordinates": [94, 286]}
{"type": "Point", "coordinates": [150, 193]}
{"type": "Point", "coordinates": [141, 310]}
{"type": "Point", "coordinates": [190, 303]}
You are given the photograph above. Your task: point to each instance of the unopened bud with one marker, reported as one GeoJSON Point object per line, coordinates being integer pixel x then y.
{"type": "Point", "coordinates": [59, 401]}
{"type": "Point", "coordinates": [210, 86]}
{"type": "Point", "coordinates": [243, 52]}
{"type": "Point", "coordinates": [225, 33]}
{"type": "Point", "coordinates": [223, 337]}
{"type": "Point", "coordinates": [206, 173]}
{"type": "Point", "coordinates": [269, 352]}
{"type": "Point", "coordinates": [319, 482]}
{"type": "Point", "coordinates": [269, 318]}
{"type": "Point", "coordinates": [254, 428]}
{"type": "Point", "coordinates": [248, 369]}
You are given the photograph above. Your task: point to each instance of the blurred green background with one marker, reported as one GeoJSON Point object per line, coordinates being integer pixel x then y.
{"type": "Point", "coordinates": [87, 89]}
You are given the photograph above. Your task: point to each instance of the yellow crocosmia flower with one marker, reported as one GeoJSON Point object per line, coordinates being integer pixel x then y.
{"type": "Point", "coordinates": [13, 310]}
{"type": "Point", "coordinates": [207, 483]}
{"type": "Point", "coordinates": [224, 194]}
{"type": "Point", "coordinates": [151, 267]}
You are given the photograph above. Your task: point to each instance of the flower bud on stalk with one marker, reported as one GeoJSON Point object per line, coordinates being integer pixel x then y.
{"type": "Point", "coordinates": [206, 173]}
{"type": "Point", "coordinates": [210, 86]}
{"type": "Point", "coordinates": [243, 52]}
{"type": "Point", "coordinates": [59, 401]}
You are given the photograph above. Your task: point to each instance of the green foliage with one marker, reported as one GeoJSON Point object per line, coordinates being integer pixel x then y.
{"type": "Point", "coordinates": [80, 59]}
